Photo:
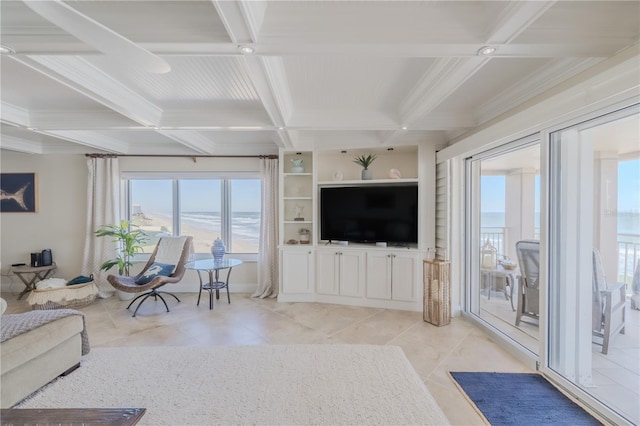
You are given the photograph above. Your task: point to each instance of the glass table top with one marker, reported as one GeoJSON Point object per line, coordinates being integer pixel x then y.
{"type": "Point", "coordinates": [210, 265]}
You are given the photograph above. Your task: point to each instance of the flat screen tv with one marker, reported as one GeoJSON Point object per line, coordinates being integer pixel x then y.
{"type": "Point", "coordinates": [369, 214]}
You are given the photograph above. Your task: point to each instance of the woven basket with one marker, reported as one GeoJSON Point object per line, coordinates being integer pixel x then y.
{"type": "Point", "coordinates": [70, 297]}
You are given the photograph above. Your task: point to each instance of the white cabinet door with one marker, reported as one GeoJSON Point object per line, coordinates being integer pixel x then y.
{"type": "Point", "coordinates": [403, 279]}
{"type": "Point", "coordinates": [379, 275]}
{"type": "Point", "coordinates": [328, 278]}
{"type": "Point", "coordinates": [297, 271]}
{"type": "Point", "coordinates": [351, 273]}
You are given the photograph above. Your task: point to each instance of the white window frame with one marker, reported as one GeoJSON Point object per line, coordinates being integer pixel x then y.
{"type": "Point", "coordinates": [225, 178]}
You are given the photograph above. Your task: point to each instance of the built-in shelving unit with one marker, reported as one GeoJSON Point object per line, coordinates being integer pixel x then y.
{"type": "Point", "coordinates": [297, 189]}
{"type": "Point", "coordinates": [355, 274]}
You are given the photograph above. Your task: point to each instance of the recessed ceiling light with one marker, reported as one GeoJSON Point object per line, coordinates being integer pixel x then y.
{"type": "Point", "coordinates": [486, 51]}
{"type": "Point", "coordinates": [247, 50]}
{"type": "Point", "coordinates": [6, 50]}
{"type": "Point", "coordinates": [404, 127]}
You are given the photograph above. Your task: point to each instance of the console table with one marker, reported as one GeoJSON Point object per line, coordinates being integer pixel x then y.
{"type": "Point", "coordinates": [72, 416]}
{"type": "Point", "coordinates": [29, 275]}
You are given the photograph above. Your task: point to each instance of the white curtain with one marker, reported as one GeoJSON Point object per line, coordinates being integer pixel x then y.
{"type": "Point", "coordinates": [268, 256]}
{"type": "Point", "coordinates": [103, 208]}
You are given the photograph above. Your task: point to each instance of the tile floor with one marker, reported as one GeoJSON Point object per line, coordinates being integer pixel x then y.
{"type": "Point", "coordinates": [433, 351]}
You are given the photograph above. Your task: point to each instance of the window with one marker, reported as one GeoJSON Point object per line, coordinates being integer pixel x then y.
{"type": "Point", "coordinates": [205, 208]}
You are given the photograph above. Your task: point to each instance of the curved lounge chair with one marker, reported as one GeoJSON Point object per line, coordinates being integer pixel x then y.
{"type": "Point", "coordinates": [169, 250]}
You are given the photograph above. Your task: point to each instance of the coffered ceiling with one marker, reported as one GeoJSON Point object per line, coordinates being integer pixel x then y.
{"type": "Point", "coordinates": [169, 77]}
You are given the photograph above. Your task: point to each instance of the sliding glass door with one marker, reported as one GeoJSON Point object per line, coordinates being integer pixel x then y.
{"type": "Point", "coordinates": [594, 250]}
{"type": "Point", "coordinates": [503, 208]}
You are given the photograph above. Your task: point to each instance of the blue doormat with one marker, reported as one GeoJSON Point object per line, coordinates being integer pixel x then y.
{"type": "Point", "coordinates": [520, 399]}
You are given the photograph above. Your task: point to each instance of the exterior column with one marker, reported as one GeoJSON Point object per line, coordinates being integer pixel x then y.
{"type": "Point", "coordinates": [519, 209]}
{"type": "Point", "coordinates": [605, 211]}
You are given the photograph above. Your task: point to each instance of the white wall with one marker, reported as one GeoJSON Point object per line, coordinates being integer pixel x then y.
{"type": "Point", "coordinates": [60, 224]}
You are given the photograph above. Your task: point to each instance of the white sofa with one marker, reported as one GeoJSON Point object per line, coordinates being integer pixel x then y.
{"type": "Point", "coordinates": [32, 359]}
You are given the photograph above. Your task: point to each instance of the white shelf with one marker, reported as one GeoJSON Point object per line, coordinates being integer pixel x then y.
{"type": "Point", "coordinates": [296, 174]}
{"type": "Point", "coordinates": [298, 222]}
{"type": "Point", "coordinates": [367, 182]}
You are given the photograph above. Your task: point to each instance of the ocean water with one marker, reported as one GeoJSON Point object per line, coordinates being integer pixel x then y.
{"type": "Point", "coordinates": [244, 225]}
{"type": "Point", "coordinates": [628, 222]}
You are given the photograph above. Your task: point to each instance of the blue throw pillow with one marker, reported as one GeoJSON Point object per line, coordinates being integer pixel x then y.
{"type": "Point", "coordinates": [155, 270]}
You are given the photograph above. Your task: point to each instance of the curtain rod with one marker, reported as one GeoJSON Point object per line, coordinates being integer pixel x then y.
{"type": "Point", "coordinates": [193, 157]}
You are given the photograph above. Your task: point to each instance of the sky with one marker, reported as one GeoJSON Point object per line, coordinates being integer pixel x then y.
{"type": "Point", "coordinates": [629, 186]}
{"type": "Point", "coordinates": [196, 195]}
{"type": "Point", "coordinates": [493, 192]}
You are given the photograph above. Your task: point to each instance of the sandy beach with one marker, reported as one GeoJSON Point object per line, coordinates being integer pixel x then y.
{"type": "Point", "coordinates": [202, 238]}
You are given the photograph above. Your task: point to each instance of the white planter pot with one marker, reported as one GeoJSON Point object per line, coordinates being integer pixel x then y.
{"type": "Point", "coordinates": [122, 295]}
{"type": "Point", "coordinates": [366, 174]}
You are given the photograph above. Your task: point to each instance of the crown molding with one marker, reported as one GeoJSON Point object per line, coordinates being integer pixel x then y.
{"type": "Point", "coordinates": [20, 145]}
{"type": "Point", "coordinates": [91, 139]}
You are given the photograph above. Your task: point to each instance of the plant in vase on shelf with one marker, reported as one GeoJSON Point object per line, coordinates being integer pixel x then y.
{"type": "Point", "coordinates": [297, 165]}
{"type": "Point", "coordinates": [129, 243]}
{"type": "Point", "coordinates": [305, 235]}
{"type": "Point", "coordinates": [365, 162]}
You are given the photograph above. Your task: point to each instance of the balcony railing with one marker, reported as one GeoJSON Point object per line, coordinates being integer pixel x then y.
{"type": "Point", "coordinates": [628, 250]}
{"type": "Point", "coordinates": [628, 257]}
{"type": "Point", "coordinates": [496, 236]}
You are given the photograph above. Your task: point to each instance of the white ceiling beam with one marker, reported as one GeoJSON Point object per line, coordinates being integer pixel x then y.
{"type": "Point", "coordinates": [81, 120]}
{"type": "Point", "coordinates": [232, 15]}
{"type": "Point", "coordinates": [190, 139]}
{"type": "Point", "coordinates": [81, 76]}
{"type": "Point", "coordinates": [437, 84]}
{"type": "Point", "coordinates": [91, 139]}
{"type": "Point", "coordinates": [596, 48]}
{"type": "Point", "coordinates": [20, 145]}
{"type": "Point", "coordinates": [540, 80]}
{"type": "Point", "coordinates": [14, 114]}
{"type": "Point", "coordinates": [448, 74]}
{"type": "Point", "coordinates": [245, 117]}
{"type": "Point", "coordinates": [516, 17]}
{"type": "Point", "coordinates": [266, 74]}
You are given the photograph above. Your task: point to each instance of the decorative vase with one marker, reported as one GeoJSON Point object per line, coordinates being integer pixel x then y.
{"type": "Point", "coordinates": [217, 250]}
{"type": "Point", "coordinates": [297, 166]}
{"type": "Point", "coordinates": [366, 174]}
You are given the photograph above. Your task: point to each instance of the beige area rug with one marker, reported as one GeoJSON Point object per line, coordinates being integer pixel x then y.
{"type": "Point", "coordinates": [266, 384]}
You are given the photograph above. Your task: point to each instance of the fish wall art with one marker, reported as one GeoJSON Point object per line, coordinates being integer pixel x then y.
{"type": "Point", "coordinates": [18, 192]}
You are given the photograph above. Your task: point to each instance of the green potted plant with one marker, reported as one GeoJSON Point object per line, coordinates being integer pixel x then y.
{"type": "Point", "coordinates": [129, 243]}
{"type": "Point", "coordinates": [365, 162]}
